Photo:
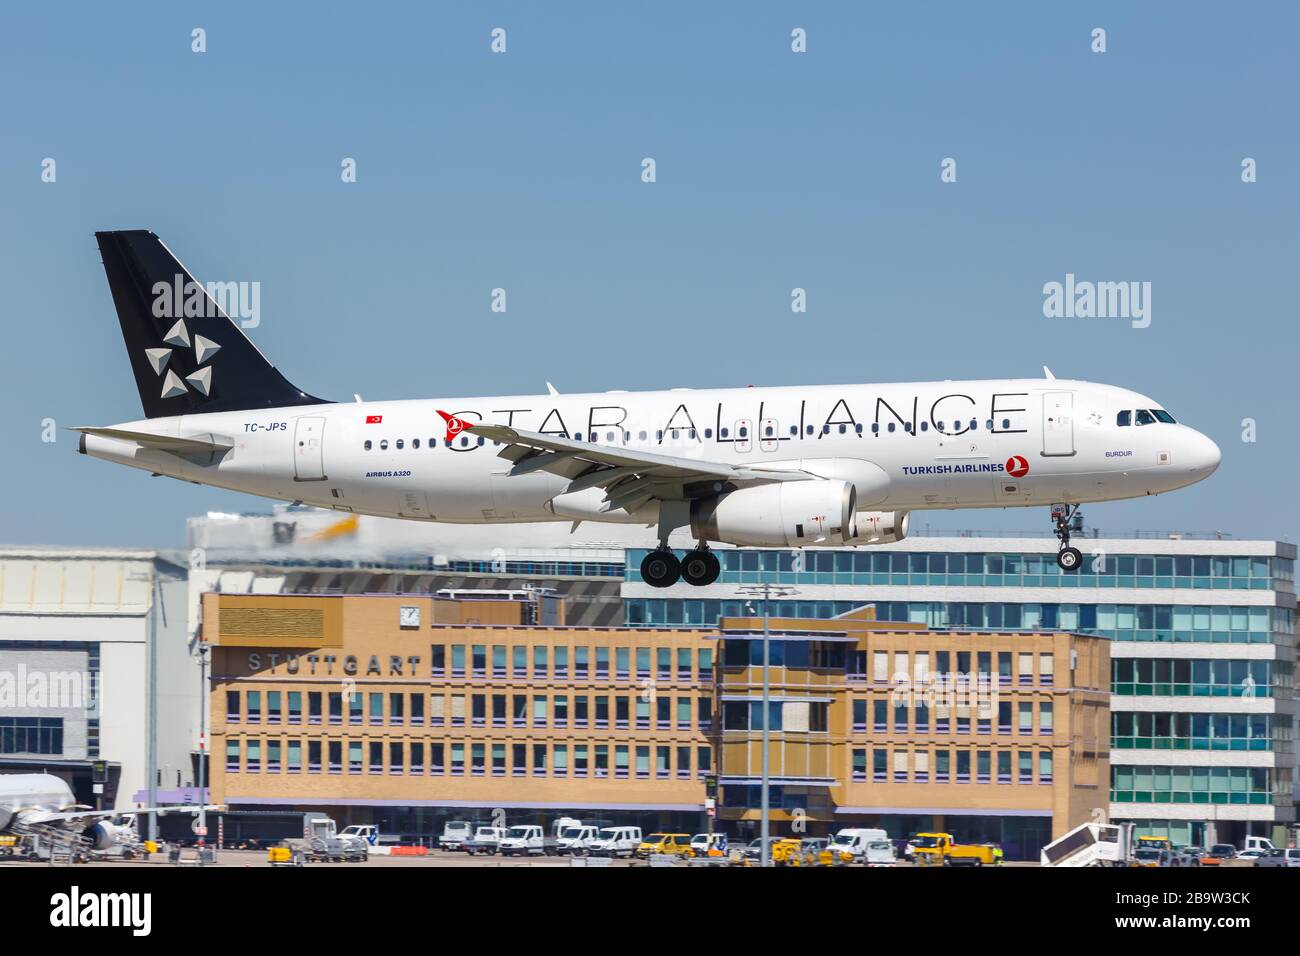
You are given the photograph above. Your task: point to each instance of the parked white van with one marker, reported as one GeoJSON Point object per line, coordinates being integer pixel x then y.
{"type": "Point", "coordinates": [616, 841]}
{"type": "Point", "coordinates": [855, 841]}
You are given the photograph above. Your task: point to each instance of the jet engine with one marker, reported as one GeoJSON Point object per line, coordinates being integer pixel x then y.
{"type": "Point", "coordinates": [880, 527]}
{"type": "Point", "coordinates": [780, 514]}
{"type": "Point", "coordinates": [104, 835]}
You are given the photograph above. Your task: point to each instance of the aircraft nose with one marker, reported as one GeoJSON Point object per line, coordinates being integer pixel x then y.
{"type": "Point", "coordinates": [1204, 455]}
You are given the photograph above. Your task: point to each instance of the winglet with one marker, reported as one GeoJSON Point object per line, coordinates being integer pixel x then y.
{"type": "Point", "coordinates": [1047, 374]}
{"type": "Point", "coordinates": [454, 425]}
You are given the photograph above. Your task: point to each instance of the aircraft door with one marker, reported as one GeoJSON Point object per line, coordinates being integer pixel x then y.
{"type": "Point", "coordinates": [1058, 424]}
{"type": "Point", "coordinates": [769, 435]}
{"type": "Point", "coordinates": [309, 448]}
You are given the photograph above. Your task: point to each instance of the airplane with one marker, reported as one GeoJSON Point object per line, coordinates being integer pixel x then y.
{"type": "Point", "coordinates": [815, 466]}
{"type": "Point", "coordinates": [42, 799]}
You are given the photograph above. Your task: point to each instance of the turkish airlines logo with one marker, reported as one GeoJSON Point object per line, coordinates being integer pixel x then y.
{"type": "Point", "coordinates": [1017, 467]}
{"type": "Point", "coordinates": [454, 425]}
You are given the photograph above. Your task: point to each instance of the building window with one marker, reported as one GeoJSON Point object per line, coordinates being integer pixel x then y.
{"type": "Point", "coordinates": [295, 707]}
{"type": "Point", "coordinates": [396, 757]}
{"type": "Point", "coordinates": [232, 706]}
{"type": "Point", "coordinates": [376, 709]}
{"type": "Point", "coordinates": [273, 707]}
{"type": "Point", "coordinates": [354, 757]}
{"type": "Point", "coordinates": [313, 756]}
{"type": "Point", "coordinates": [880, 765]}
{"type": "Point", "coordinates": [336, 707]}
{"type": "Point", "coordinates": [437, 753]}
{"type": "Point", "coordinates": [336, 757]}
{"type": "Point", "coordinates": [254, 711]}
{"type": "Point", "coordinates": [417, 710]}
{"type": "Point", "coordinates": [232, 755]}
{"type": "Point", "coordinates": [294, 753]}
{"type": "Point", "coordinates": [396, 709]}
{"type": "Point", "coordinates": [859, 765]}
{"type": "Point", "coordinates": [621, 762]}
{"type": "Point", "coordinates": [253, 757]}
{"type": "Point", "coordinates": [313, 707]}
{"type": "Point", "coordinates": [941, 766]}
{"type": "Point", "coordinates": [31, 735]}
{"type": "Point", "coordinates": [273, 756]}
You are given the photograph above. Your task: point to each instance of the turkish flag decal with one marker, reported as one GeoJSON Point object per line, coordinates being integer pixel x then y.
{"type": "Point", "coordinates": [374, 419]}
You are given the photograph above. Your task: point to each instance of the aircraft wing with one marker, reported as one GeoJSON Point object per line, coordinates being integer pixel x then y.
{"type": "Point", "coordinates": [595, 465]}
{"type": "Point", "coordinates": [77, 816]}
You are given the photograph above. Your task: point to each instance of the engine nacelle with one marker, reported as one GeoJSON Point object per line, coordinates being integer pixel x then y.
{"type": "Point", "coordinates": [781, 514]}
{"type": "Point", "coordinates": [104, 835]}
{"type": "Point", "coordinates": [880, 527]}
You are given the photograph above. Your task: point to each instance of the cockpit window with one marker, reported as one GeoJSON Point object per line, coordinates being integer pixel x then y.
{"type": "Point", "coordinates": [1144, 417]}
{"type": "Point", "coordinates": [1124, 418]}
{"type": "Point", "coordinates": [1163, 416]}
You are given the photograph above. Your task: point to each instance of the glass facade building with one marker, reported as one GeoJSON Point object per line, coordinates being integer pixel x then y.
{"type": "Point", "coordinates": [1202, 653]}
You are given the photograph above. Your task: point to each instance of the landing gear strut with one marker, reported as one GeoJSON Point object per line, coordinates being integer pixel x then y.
{"type": "Point", "coordinates": [1067, 557]}
{"type": "Point", "coordinates": [699, 567]}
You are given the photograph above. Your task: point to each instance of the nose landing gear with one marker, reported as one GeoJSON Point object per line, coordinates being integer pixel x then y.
{"type": "Point", "coordinates": [1067, 519]}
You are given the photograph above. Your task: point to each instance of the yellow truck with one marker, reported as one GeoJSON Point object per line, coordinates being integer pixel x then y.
{"type": "Point", "coordinates": [938, 849]}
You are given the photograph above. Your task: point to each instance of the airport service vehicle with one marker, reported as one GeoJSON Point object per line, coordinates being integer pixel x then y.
{"type": "Point", "coordinates": [817, 466]}
{"type": "Point", "coordinates": [753, 851]}
{"type": "Point", "coordinates": [880, 853]}
{"type": "Point", "coordinates": [1279, 857]}
{"type": "Point", "coordinates": [361, 831]}
{"type": "Point", "coordinates": [936, 848]}
{"type": "Point", "coordinates": [526, 841]}
{"type": "Point", "coordinates": [485, 840]}
{"type": "Point", "coordinates": [1091, 844]}
{"type": "Point", "coordinates": [321, 842]}
{"type": "Point", "coordinates": [670, 844]}
{"type": "Point", "coordinates": [1150, 856]}
{"type": "Point", "coordinates": [575, 839]}
{"type": "Point", "coordinates": [1218, 854]}
{"type": "Point", "coordinates": [1252, 855]}
{"type": "Point", "coordinates": [455, 834]}
{"type": "Point", "coordinates": [703, 843]}
{"type": "Point", "coordinates": [787, 851]}
{"type": "Point", "coordinates": [1258, 843]}
{"type": "Point", "coordinates": [1187, 855]}
{"type": "Point", "coordinates": [853, 842]}
{"type": "Point", "coordinates": [41, 807]}
{"type": "Point", "coordinates": [615, 841]}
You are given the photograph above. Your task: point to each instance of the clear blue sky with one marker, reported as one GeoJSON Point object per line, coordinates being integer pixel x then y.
{"type": "Point", "coordinates": [775, 170]}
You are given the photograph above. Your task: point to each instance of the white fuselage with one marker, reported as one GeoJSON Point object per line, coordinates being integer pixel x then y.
{"type": "Point", "coordinates": [906, 446]}
{"type": "Point", "coordinates": [31, 795]}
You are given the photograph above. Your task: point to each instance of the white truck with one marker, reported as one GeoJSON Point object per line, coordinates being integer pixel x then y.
{"type": "Point", "coordinates": [1091, 844]}
{"type": "Point", "coordinates": [853, 842]}
{"type": "Point", "coordinates": [615, 841]}
{"type": "Point", "coordinates": [526, 841]}
{"type": "Point", "coordinates": [321, 841]}
{"type": "Point", "coordinates": [455, 834]}
{"type": "Point", "coordinates": [485, 840]}
{"type": "Point", "coordinates": [880, 853]}
{"type": "Point", "coordinates": [575, 839]}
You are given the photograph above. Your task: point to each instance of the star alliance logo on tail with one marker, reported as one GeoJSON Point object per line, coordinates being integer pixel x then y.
{"type": "Point", "coordinates": [200, 380]}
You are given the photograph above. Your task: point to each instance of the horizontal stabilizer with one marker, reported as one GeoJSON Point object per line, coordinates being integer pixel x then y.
{"type": "Point", "coordinates": [191, 445]}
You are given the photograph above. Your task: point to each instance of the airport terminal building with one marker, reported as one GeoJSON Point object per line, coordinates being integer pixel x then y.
{"type": "Point", "coordinates": [1201, 636]}
{"type": "Point", "coordinates": [410, 710]}
{"type": "Point", "coordinates": [81, 633]}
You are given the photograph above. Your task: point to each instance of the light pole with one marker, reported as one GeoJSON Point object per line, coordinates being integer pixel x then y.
{"type": "Point", "coordinates": [203, 746]}
{"type": "Point", "coordinates": [766, 589]}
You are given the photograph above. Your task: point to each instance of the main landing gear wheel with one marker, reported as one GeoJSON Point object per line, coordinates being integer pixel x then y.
{"type": "Point", "coordinates": [700, 567]}
{"type": "Point", "coordinates": [660, 568]}
{"type": "Point", "coordinates": [1067, 558]}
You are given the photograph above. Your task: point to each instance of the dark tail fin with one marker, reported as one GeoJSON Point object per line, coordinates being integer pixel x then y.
{"type": "Point", "coordinates": [187, 356]}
